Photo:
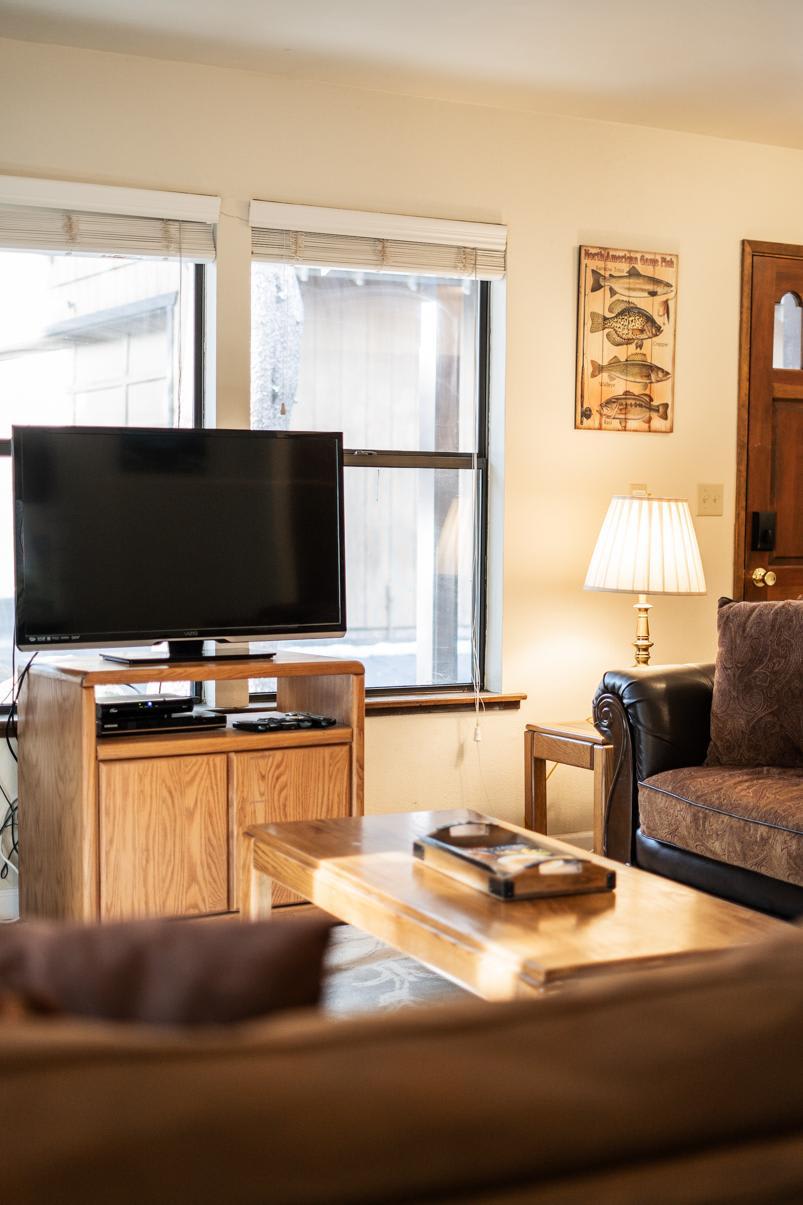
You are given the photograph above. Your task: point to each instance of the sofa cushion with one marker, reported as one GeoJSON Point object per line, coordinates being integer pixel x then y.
{"type": "Point", "coordinates": [171, 972]}
{"type": "Point", "coordinates": [673, 1085]}
{"type": "Point", "coordinates": [757, 707]}
{"type": "Point", "coordinates": [745, 816]}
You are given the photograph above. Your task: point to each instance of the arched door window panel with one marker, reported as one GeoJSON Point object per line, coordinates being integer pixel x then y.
{"type": "Point", "coordinates": [786, 342]}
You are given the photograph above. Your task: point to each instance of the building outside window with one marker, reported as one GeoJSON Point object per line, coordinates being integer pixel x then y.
{"type": "Point", "coordinates": [397, 361]}
{"type": "Point", "coordinates": [377, 325]}
{"type": "Point", "coordinates": [95, 340]}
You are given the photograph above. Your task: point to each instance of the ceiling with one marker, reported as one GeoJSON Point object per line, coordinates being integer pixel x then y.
{"type": "Point", "coordinates": [732, 68]}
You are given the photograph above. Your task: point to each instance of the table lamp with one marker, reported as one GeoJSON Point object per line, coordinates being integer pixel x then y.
{"type": "Point", "coordinates": [646, 546]}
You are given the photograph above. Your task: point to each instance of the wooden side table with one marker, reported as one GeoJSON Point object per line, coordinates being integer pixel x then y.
{"type": "Point", "coordinates": [576, 743]}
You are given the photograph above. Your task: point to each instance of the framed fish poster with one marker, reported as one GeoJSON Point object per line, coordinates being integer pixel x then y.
{"type": "Point", "coordinates": [626, 317]}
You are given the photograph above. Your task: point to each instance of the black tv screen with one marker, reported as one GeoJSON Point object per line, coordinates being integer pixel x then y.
{"type": "Point", "coordinates": [133, 535]}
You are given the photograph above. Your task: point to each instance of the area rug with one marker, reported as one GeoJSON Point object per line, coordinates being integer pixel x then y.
{"type": "Point", "coordinates": [365, 975]}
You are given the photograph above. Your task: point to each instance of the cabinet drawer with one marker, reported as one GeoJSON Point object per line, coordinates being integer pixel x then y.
{"type": "Point", "coordinates": [163, 836]}
{"type": "Point", "coordinates": [286, 784]}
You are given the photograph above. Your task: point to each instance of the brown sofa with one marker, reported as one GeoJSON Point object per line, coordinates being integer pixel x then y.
{"type": "Point", "coordinates": [707, 785]}
{"type": "Point", "coordinates": [672, 1086]}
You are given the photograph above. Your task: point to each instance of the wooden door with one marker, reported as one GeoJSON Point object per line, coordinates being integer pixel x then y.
{"type": "Point", "coordinates": [163, 837]}
{"type": "Point", "coordinates": [286, 784]}
{"type": "Point", "coordinates": [768, 562]}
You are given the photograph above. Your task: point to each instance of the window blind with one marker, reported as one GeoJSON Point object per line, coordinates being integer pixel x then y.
{"type": "Point", "coordinates": [376, 242]}
{"type": "Point", "coordinates": [39, 215]}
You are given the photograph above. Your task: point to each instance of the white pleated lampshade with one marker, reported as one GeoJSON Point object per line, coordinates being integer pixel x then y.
{"type": "Point", "coordinates": [647, 546]}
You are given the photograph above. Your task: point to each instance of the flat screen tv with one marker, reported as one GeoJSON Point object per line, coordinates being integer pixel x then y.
{"type": "Point", "coordinates": [132, 536]}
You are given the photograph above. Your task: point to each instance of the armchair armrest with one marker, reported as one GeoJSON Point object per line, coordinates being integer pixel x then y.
{"type": "Point", "coordinates": [657, 718]}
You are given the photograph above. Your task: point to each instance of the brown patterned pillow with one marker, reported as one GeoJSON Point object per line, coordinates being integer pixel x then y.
{"type": "Point", "coordinates": [757, 708]}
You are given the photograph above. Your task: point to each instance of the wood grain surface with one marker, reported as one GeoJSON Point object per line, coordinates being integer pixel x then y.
{"type": "Point", "coordinates": [742, 414]}
{"type": "Point", "coordinates": [58, 806]}
{"type": "Point", "coordinates": [170, 832]}
{"type": "Point", "coordinates": [362, 871]}
{"type": "Point", "coordinates": [92, 670]}
{"type": "Point", "coordinates": [341, 696]}
{"type": "Point", "coordinates": [287, 784]}
{"type": "Point", "coordinates": [219, 740]}
{"type": "Point", "coordinates": [572, 743]}
{"type": "Point", "coordinates": [770, 427]}
{"type": "Point", "coordinates": [581, 730]}
{"type": "Point", "coordinates": [163, 837]}
{"type": "Point", "coordinates": [603, 773]}
{"type": "Point", "coordinates": [447, 700]}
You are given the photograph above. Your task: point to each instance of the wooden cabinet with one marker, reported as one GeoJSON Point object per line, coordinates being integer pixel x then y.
{"type": "Point", "coordinates": [285, 784]}
{"type": "Point", "coordinates": [163, 833]}
{"type": "Point", "coordinates": [130, 826]}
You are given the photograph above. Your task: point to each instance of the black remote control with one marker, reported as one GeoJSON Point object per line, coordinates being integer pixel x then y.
{"type": "Point", "coordinates": [275, 721]}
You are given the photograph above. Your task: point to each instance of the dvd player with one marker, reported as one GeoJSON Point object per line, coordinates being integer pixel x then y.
{"type": "Point", "coordinates": [183, 721]}
{"type": "Point", "coordinates": [141, 705]}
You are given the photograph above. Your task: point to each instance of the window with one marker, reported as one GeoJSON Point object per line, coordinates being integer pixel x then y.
{"type": "Point", "coordinates": [397, 361]}
{"type": "Point", "coordinates": [787, 329]}
{"type": "Point", "coordinates": [95, 340]}
{"type": "Point", "coordinates": [101, 320]}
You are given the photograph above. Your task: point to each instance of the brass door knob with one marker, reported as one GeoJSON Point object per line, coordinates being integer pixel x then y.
{"type": "Point", "coordinates": [763, 577]}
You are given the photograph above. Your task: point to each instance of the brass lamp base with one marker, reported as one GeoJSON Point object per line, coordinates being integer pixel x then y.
{"type": "Point", "coordinates": [642, 644]}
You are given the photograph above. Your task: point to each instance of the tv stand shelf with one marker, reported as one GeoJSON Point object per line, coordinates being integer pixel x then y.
{"type": "Point", "coordinates": [124, 826]}
{"type": "Point", "coordinates": [219, 740]}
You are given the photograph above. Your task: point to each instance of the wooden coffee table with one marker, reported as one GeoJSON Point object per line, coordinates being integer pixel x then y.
{"type": "Point", "coordinates": [362, 871]}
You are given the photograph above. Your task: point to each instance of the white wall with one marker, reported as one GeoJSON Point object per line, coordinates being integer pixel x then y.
{"type": "Point", "coordinates": [555, 183]}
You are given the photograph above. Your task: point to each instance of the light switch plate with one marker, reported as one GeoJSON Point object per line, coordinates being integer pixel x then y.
{"type": "Point", "coordinates": [709, 499]}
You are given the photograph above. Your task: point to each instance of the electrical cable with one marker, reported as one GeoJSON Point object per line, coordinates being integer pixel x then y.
{"type": "Point", "coordinates": [9, 821]}
{"type": "Point", "coordinates": [12, 711]}
{"type": "Point", "coordinates": [10, 802]}
{"type": "Point", "coordinates": [13, 688]}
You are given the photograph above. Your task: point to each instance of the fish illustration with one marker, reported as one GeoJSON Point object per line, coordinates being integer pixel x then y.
{"type": "Point", "coordinates": [632, 284]}
{"type": "Point", "coordinates": [626, 324]}
{"type": "Point", "coordinates": [633, 407]}
{"type": "Point", "coordinates": [635, 368]}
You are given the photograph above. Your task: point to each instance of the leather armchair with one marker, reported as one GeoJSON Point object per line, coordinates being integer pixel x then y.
{"type": "Point", "coordinates": [658, 718]}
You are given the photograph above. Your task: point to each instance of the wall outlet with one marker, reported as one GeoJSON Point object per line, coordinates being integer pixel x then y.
{"type": "Point", "coordinates": [709, 499]}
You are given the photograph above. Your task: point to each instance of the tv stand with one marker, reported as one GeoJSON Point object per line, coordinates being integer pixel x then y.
{"type": "Point", "coordinates": [150, 825]}
{"type": "Point", "coordinates": [183, 651]}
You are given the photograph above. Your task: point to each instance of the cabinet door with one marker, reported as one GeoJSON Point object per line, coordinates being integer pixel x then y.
{"type": "Point", "coordinates": [286, 784]}
{"type": "Point", "coordinates": [163, 836]}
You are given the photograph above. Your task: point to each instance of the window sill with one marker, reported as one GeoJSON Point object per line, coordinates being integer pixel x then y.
{"type": "Point", "coordinates": [445, 701]}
